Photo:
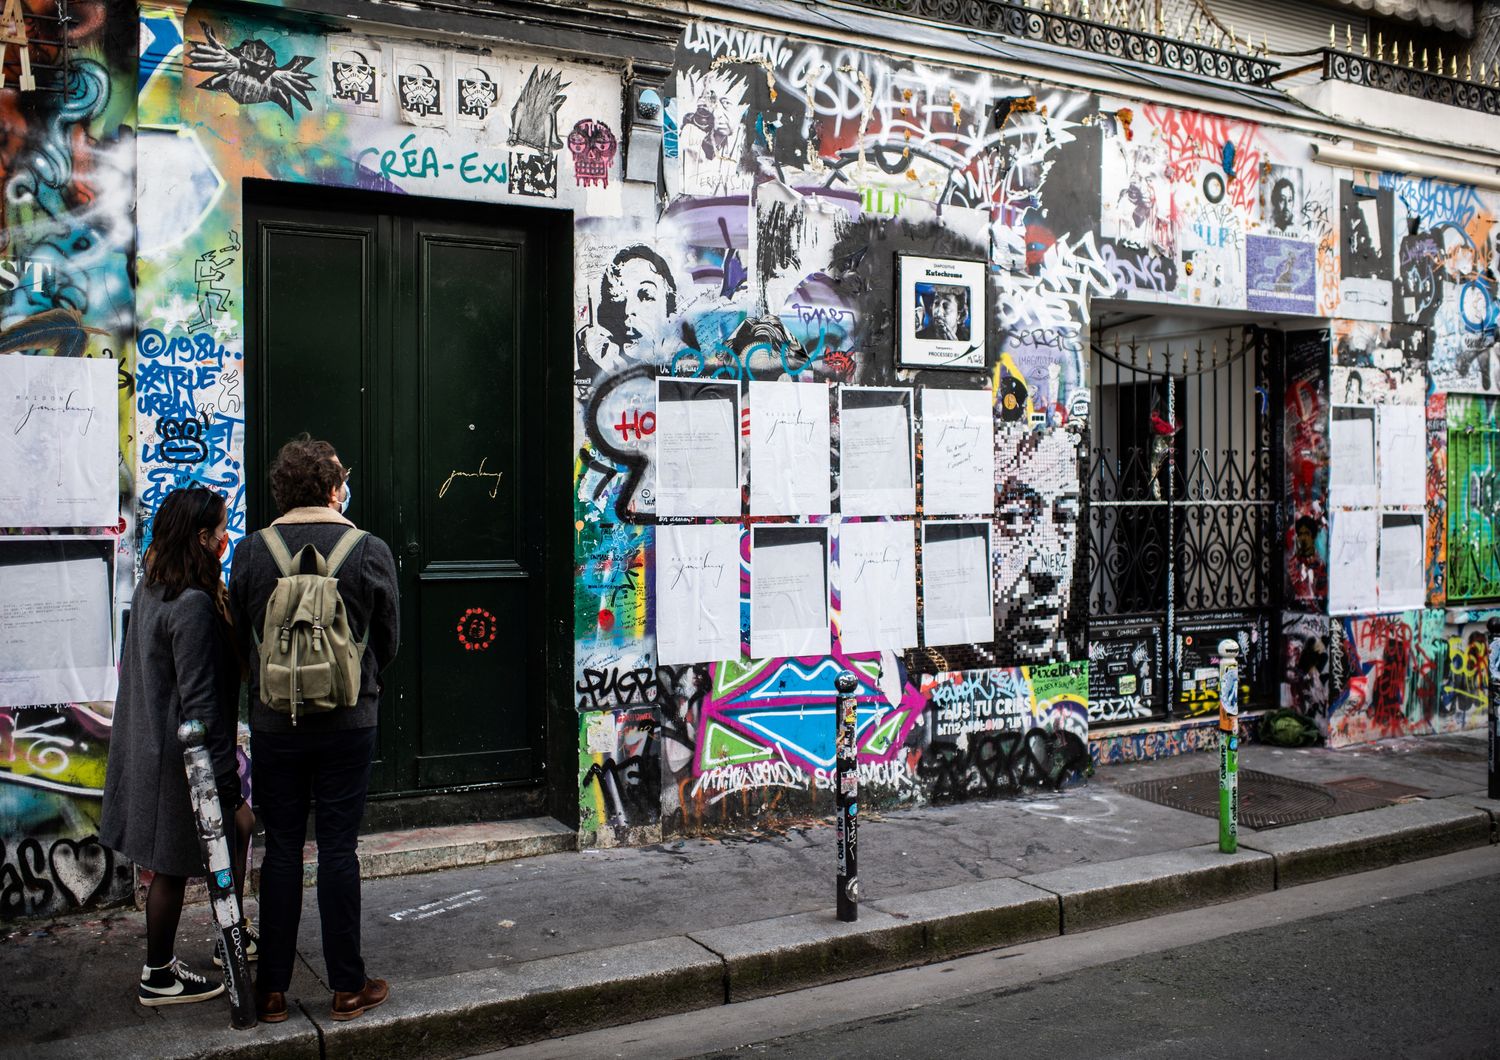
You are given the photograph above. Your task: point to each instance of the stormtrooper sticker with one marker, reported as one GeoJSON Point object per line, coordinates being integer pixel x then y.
{"type": "Point", "coordinates": [476, 93]}
{"type": "Point", "coordinates": [419, 92]}
{"type": "Point", "coordinates": [354, 77]}
{"type": "Point", "coordinates": [422, 82]}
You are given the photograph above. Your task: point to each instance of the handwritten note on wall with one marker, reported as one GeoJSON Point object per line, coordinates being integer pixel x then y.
{"type": "Point", "coordinates": [789, 591]}
{"type": "Point", "coordinates": [59, 441]}
{"type": "Point", "coordinates": [697, 448]}
{"type": "Point", "coordinates": [55, 638]}
{"type": "Point", "coordinates": [697, 593]}
{"type": "Point", "coordinates": [877, 586]}
{"type": "Point", "coordinates": [877, 475]}
{"type": "Point", "coordinates": [958, 452]}
{"type": "Point", "coordinates": [1352, 548]}
{"type": "Point", "coordinates": [789, 449]}
{"type": "Point", "coordinates": [959, 607]}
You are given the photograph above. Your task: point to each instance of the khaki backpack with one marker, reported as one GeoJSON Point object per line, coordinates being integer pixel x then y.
{"type": "Point", "coordinates": [309, 659]}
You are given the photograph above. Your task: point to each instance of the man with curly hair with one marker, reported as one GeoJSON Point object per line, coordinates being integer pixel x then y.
{"type": "Point", "coordinates": [321, 758]}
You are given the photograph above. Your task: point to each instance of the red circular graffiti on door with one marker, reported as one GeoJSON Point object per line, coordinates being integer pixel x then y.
{"type": "Point", "coordinates": [476, 629]}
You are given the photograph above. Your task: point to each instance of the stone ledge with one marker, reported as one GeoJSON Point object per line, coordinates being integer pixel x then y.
{"type": "Point", "coordinates": [1374, 839]}
{"type": "Point", "coordinates": [453, 846]}
{"type": "Point", "coordinates": [1113, 892]}
{"type": "Point", "coordinates": [808, 949]}
{"type": "Point", "coordinates": [493, 1008]}
{"type": "Point", "coordinates": [971, 917]}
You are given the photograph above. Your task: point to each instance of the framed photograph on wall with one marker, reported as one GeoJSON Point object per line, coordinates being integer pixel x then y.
{"type": "Point", "coordinates": [941, 302]}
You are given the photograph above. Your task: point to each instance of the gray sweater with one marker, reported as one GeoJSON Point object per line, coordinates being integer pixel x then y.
{"type": "Point", "coordinates": [367, 583]}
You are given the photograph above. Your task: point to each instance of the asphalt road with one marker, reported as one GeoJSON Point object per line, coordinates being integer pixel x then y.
{"type": "Point", "coordinates": [1404, 962]}
{"type": "Point", "coordinates": [1417, 976]}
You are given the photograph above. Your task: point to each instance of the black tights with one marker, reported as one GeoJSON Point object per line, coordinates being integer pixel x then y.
{"type": "Point", "coordinates": [164, 905]}
{"type": "Point", "coordinates": [163, 911]}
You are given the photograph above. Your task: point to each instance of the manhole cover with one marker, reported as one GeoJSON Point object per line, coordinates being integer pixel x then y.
{"type": "Point", "coordinates": [1380, 789]}
{"type": "Point", "coordinates": [1266, 801]}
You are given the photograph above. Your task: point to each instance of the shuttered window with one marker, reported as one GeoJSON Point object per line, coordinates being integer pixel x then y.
{"type": "Point", "coordinates": [1288, 25]}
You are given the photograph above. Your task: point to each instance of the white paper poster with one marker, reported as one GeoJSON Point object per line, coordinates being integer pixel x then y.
{"type": "Point", "coordinates": [1403, 456]}
{"type": "Point", "coordinates": [876, 461]}
{"type": "Point", "coordinates": [789, 591]}
{"type": "Point", "coordinates": [697, 593]}
{"type": "Point", "coordinates": [789, 449]}
{"type": "Point", "coordinates": [1352, 540]}
{"type": "Point", "coordinates": [958, 452]}
{"type": "Point", "coordinates": [697, 448]}
{"type": "Point", "coordinates": [56, 644]}
{"type": "Point", "coordinates": [1351, 463]}
{"type": "Point", "coordinates": [1403, 579]}
{"type": "Point", "coordinates": [877, 586]}
{"type": "Point", "coordinates": [957, 603]}
{"type": "Point", "coordinates": [59, 441]}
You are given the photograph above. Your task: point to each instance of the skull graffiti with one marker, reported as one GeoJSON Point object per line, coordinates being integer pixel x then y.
{"type": "Point", "coordinates": [593, 146]}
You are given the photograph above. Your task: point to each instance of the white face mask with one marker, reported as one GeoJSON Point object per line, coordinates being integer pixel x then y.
{"type": "Point", "coordinates": [348, 493]}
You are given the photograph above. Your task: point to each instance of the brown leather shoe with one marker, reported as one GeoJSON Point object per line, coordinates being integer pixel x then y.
{"type": "Point", "coordinates": [270, 1007]}
{"type": "Point", "coordinates": [347, 1004]}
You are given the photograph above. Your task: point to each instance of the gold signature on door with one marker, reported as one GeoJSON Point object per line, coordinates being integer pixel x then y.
{"type": "Point", "coordinates": [481, 473]}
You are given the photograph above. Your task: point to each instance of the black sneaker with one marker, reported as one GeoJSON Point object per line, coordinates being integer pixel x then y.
{"type": "Point", "coordinates": [252, 951]}
{"type": "Point", "coordinates": [176, 984]}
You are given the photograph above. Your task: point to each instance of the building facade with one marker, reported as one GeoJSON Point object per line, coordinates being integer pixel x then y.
{"type": "Point", "coordinates": [1009, 357]}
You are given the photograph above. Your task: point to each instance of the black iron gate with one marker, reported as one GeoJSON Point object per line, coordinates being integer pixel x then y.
{"type": "Point", "coordinates": [1182, 521]}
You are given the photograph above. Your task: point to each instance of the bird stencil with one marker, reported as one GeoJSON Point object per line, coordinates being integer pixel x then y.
{"type": "Point", "coordinates": [249, 72]}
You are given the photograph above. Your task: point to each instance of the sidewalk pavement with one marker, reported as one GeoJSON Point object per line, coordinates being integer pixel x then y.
{"type": "Point", "coordinates": [494, 955]}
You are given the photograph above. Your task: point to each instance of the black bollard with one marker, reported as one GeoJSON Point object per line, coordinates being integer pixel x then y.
{"type": "Point", "coordinates": [846, 776]}
{"type": "Point", "coordinates": [213, 840]}
{"type": "Point", "coordinates": [1494, 690]}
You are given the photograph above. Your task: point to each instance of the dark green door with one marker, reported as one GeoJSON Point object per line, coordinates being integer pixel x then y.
{"type": "Point", "coordinates": [409, 335]}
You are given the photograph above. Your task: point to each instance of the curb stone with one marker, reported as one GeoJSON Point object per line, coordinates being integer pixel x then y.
{"type": "Point", "coordinates": [1480, 800]}
{"type": "Point", "coordinates": [296, 1039]}
{"type": "Point", "coordinates": [808, 949]}
{"type": "Point", "coordinates": [1374, 839]}
{"type": "Point", "coordinates": [971, 917]}
{"type": "Point", "coordinates": [1113, 892]}
{"type": "Point", "coordinates": [472, 1012]}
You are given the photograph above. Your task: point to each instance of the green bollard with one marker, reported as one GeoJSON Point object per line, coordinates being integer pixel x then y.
{"type": "Point", "coordinates": [1229, 746]}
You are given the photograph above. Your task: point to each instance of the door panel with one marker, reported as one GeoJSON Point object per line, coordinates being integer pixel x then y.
{"type": "Point", "coordinates": [475, 586]}
{"type": "Point", "coordinates": [316, 337]}
{"type": "Point", "coordinates": [406, 333]}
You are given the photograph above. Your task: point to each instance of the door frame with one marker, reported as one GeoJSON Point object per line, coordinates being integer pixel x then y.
{"type": "Point", "coordinates": [553, 231]}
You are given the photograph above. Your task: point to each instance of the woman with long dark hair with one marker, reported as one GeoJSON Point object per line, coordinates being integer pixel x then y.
{"type": "Point", "coordinates": [179, 664]}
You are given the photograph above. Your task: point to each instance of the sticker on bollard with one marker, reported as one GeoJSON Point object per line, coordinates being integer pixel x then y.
{"type": "Point", "coordinates": [1494, 704]}
{"type": "Point", "coordinates": [846, 816]}
{"type": "Point", "coordinates": [222, 900]}
{"type": "Point", "coordinates": [1229, 746]}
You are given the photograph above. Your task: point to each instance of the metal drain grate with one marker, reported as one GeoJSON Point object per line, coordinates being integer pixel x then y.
{"type": "Point", "coordinates": [1266, 801]}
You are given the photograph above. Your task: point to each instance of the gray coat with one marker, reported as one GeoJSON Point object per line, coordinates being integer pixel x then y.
{"type": "Point", "coordinates": [178, 665]}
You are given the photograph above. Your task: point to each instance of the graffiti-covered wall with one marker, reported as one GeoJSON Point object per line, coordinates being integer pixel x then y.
{"type": "Point", "coordinates": [67, 163]}
{"type": "Point", "coordinates": [862, 316]}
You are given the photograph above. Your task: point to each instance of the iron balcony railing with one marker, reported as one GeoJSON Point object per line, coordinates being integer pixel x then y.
{"type": "Point", "coordinates": [1070, 24]}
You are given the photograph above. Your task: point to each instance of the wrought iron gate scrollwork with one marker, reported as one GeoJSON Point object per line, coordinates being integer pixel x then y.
{"type": "Point", "coordinates": [1182, 516]}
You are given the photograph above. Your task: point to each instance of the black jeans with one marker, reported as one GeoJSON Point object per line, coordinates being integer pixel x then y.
{"type": "Point", "coordinates": [289, 771]}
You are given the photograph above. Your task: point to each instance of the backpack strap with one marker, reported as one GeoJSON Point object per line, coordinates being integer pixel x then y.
{"type": "Point", "coordinates": [276, 546]}
{"type": "Point", "coordinates": [341, 550]}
